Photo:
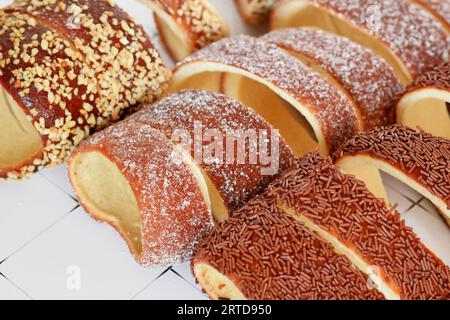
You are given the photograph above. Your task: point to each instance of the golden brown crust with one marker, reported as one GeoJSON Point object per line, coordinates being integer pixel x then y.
{"type": "Point", "coordinates": [174, 215]}
{"type": "Point", "coordinates": [194, 112]}
{"type": "Point", "coordinates": [102, 65]}
{"type": "Point", "coordinates": [332, 110]}
{"type": "Point", "coordinates": [42, 73]}
{"type": "Point", "coordinates": [126, 63]}
{"type": "Point", "coordinates": [255, 11]}
{"type": "Point", "coordinates": [367, 78]}
{"type": "Point", "coordinates": [201, 23]}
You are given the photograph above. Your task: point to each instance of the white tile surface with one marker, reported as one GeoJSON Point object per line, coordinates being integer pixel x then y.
{"type": "Point", "coordinates": [58, 176]}
{"type": "Point", "coordinates": [428, 206]}
{"type": "Point", "coordinates": [396, 198]}
{"type": "Point", "coordinates": [47, 267]}
{"type": "Point", "coordinates": [401, 188]}
{"type": "Point", "coordinates": [28, 208]}
{"type": "Point", "coordinates": [170, 287]}
{"type": "Point", "coordinates": [47, 247]}
{"type": "Point", "coordinates": [184, 270]}
{"type": "Point", "coordinates": [432, 229]}
{"type": "Point", "coordinates": [10, 292]}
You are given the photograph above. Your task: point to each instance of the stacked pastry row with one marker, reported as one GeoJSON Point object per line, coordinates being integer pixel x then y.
{"type": "Point", "coordinates": [162, 176]}
{"type": "Point", "coordinates": [392, 29]}
{"type": "Point", "coordinates": [318, 233]}
{"type": "Point", "coordinates": [317, 88]}
{"type": "Point", "coordinates": [259, 11]}
{"type": "Point", "coordinates": [169, 208]}
{"type": "Point", "coordinates": [68, 68]}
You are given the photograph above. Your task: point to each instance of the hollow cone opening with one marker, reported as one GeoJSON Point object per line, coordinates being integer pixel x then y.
{"type": "Point", "coordinates": [216, 284]}
{"type": "Point", "coordinates": [426, 109]}
{"type": "Point", "coordinates": [19, 140]}
{"type": "Point", "coordinates": [293, 127]}
{"type": "Point", "coordinates": [102, 188]}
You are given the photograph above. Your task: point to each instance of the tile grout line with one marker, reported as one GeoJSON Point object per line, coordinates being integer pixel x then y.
{"type": "Point", "coordinates": [150, 283]}
{"type": "Point", "coordinates": [27, 243]}
{"type": "Point", "coordinates": [401, 192]}
{"type": "Point", "coordinates": [40, 233]}
{"type": "Point", "coordinates": [408, 198]}
{"type": "Point", "coordinates": [59, 187]}
{"type": "Point", "coordinates": [414, 204]}
{"type": "Point", "coordinates": [191, 284]}
{"type": "Point", "coordinates": [15, 285]}
{"type": "Point", "coordinates": [420, 205]}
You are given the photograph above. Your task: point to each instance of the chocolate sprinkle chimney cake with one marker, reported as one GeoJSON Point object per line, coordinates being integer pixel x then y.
{"type": "Point", "coordinates": [187, 25]}
{"type": "Point", "coordinates": [140, 178]}
{"type": "Point", "coordinates": [261, 253]}
{"type": "Point", "coordinates": [68, 68]}
{"type": "Point", "coordinates": [245, 258]}
{"type": "Point", "coordinates": [405, 35]}
{"type": "Point", "coordinates": [418, 159]}
{"type": "Point", "coordinates": [426, 102]}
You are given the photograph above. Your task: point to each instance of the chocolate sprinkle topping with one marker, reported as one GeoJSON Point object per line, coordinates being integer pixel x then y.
{"type": "Point", "coordinates": [342, 206]}
{"type": "Point", "coordinates": [419, 155]}
{"type": "Point", "coordinates": [438, 77]}
{"type": "Point", "coordinates": [269, 255]}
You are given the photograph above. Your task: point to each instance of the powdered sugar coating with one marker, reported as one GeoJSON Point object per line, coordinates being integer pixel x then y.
{"type": "Point", "coordinates": [237, 182]}
{"type": "Point", "coordinates": [174, 216]}
{"type": "Point", "coordinates": [440, 8]}
{"type": "Point", "coordinates": [74, 66]}
{"type": "Point", "coordinates": [368, 79]}
{"type": "Point", "coordinates": [407, 29]}
{"type": "Point", "coordinates": [332, 109]}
